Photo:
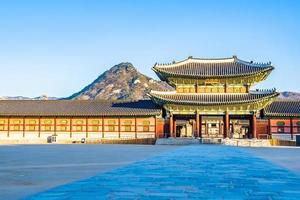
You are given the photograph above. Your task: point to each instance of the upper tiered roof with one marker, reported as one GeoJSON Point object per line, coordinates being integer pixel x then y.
{"type": "Point", "coordinates": [211, 68]}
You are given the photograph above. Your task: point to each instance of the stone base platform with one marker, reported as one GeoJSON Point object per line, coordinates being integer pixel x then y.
{"type": "Point", "coordinates": [247, 142]}
{"type": "Point", "coordinates": [227, 141]}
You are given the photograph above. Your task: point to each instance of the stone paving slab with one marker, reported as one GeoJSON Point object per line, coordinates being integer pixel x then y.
{"type": "Point", "coordinates": [190, 172]}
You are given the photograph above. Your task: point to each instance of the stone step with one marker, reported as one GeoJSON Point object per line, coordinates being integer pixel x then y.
{"type": "Point", "coordinates": [177, 141]}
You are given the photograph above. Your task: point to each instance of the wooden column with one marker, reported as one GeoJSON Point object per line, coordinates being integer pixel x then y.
{"type": "Point", "coordinates": [39, 126]}
{"type": "Point", "coordinates": [226, 125]}
{"type": "Point", "coordinates": [292, 130]}
{"type": "Point", "coordinates": [197, 125]}
{"type": "Point", "coordinates": [155, 127]}
{"type": "Point", "coordinates": [200, 126]}
{"type": "Point", "coordinates": [54, 125]}
{"type": "Point", "coordinates": [86, 127]}
{"type": "Point", "coordinates": [71, 124]}
{"type": "Point", "coordinates": [135, 128]}
{"type": "Point", "coordinates": [8, 126]}
{"type": "Point", "coordinates": [254, 125]}
{"type": "Point", "coordinates": [23, 126]}
{"type": "Point", "coordinates": [174, 127]}
{"type": "Point", "coordinates": [119, 127]}
{"type": "Point", "coordinates": [269, 128]}
{"type": "Point", "coordinates": [102, 127]}
{"type": "Point", "coordinates": [171, 125]}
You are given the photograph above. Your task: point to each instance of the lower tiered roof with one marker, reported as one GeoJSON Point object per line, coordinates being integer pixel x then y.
{"type": "Point", "coordinates": [77, 108]}
{"type": "Point", "coordinates": [211, 99]}
{"type": "Point", "coordinates": [283, 108]}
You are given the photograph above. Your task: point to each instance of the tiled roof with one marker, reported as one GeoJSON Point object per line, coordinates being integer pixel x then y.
{"type": "Point", "coordinates": [211, 99]}
{"type": "Point", "coordinates": [283, 108]}
{"type": "Point", "coordinates": [211, 68]}
{"type": "Point", "coordinates": [77, 108]}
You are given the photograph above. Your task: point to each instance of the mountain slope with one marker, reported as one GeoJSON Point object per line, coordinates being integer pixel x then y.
{"type": "Point", "coordinates": [121, 82]}
{"type": "Point", "coordinates": [289, 95]}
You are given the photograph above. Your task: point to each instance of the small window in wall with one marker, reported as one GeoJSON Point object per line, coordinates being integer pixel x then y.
{"type": "Point", "coordinates": [298, 127]}
{"type": "Point", "coordinates": [32, 121]}
{"type": "Point", "coordinates": [16, 121]}
{"type": "Point", "coordinates": [95, 122]}
{"type": "Point", "coordinates": [48, 121]}
{"type": "Point", "coordinates": [111, 125]}
{"type": "Point", "coordinates": [2, 125]}
{"type": "Point", "coordinates": [64, 121]}
{"type": "Point", "coordinates": [95, 128]}
{"type": "Point", "coordinates": [79, 128]}
{"type": "Point", "coordinates": [31, 128]}
{"type": "Point", "coordinates": [280, 126]}
{"type": "Point", "coordinates": [128, 124]}
{"type": "Point", "coordinates": [47, 127]}
{"type": "Point", "coordinates": [16, 127]}
{"type": "Point", "coordinates": [146, 126]}
{"type": "Point", "coordinates": [79, 122]}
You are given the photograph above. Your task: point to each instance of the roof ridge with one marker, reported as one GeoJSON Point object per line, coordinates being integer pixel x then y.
{"type": "Point", "coordinates": [190, 58]}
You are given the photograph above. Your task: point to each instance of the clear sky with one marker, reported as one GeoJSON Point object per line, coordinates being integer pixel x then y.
{"type": "Point", "coordinates": [56, 47]}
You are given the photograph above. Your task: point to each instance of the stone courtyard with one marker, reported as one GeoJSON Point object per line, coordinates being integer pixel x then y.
{"type": "Point", "coordinates": [152, 172]}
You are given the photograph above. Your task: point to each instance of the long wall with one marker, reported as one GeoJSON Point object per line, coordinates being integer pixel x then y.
{"type": "Point", "coordinates": [69, 129]}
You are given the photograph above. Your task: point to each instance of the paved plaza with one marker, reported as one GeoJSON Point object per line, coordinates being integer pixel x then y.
{"type": "Point", "coordinates": [191, 172]}
{"type": "Point", "coordinates": [28, 169]}
{"type": "Point", "coordinates": [148, 172]}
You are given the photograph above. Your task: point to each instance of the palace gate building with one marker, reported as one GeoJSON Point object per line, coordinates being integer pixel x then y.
{"type": "Point", "coordinates": [212, 99]}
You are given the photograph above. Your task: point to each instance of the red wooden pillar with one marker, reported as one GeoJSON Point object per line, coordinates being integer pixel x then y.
{"type": "Point", "coordinates": [103, 127]}
{"type": "Point", "coordinates": [71, 124]}
{"type": "Point", "coordinates": [8, 126]}
{"type": "Point", "coordinates": [291, 125]}
{"type": "Point", "coordinates": [197, 125]}
{"type": "Point", "coordinates": [55, 126]}
{"type": "Point", "coordinates": [155, 127]}
{"type": "Point", "coordinates": [119, 127]}
{"type": "Point", "coordinates": [200, 126]}
{"type": "Point", "coordinates": [174, 127]}
{"type": "Point", "coordinates": [254, 125]}
{"type": "Point", "coordinates": [171, 125]}
{"type": "Point", "coordinates": [87, 127]}
{"type": "Point", "coordinates": [226, 125]}
{"type": "Point", "coordinates": [23, 126]}
{"type": "Point", "coordinates": [39, 126]}
{"type": "Point", "coordinates": [135, 128]}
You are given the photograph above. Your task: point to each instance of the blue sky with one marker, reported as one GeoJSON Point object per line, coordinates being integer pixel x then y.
{"type": "Point", "coordinates": [56, 47]}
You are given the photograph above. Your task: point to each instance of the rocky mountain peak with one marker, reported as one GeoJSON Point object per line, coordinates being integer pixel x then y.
{"type": "Point", "coordinates": [122, 81]}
